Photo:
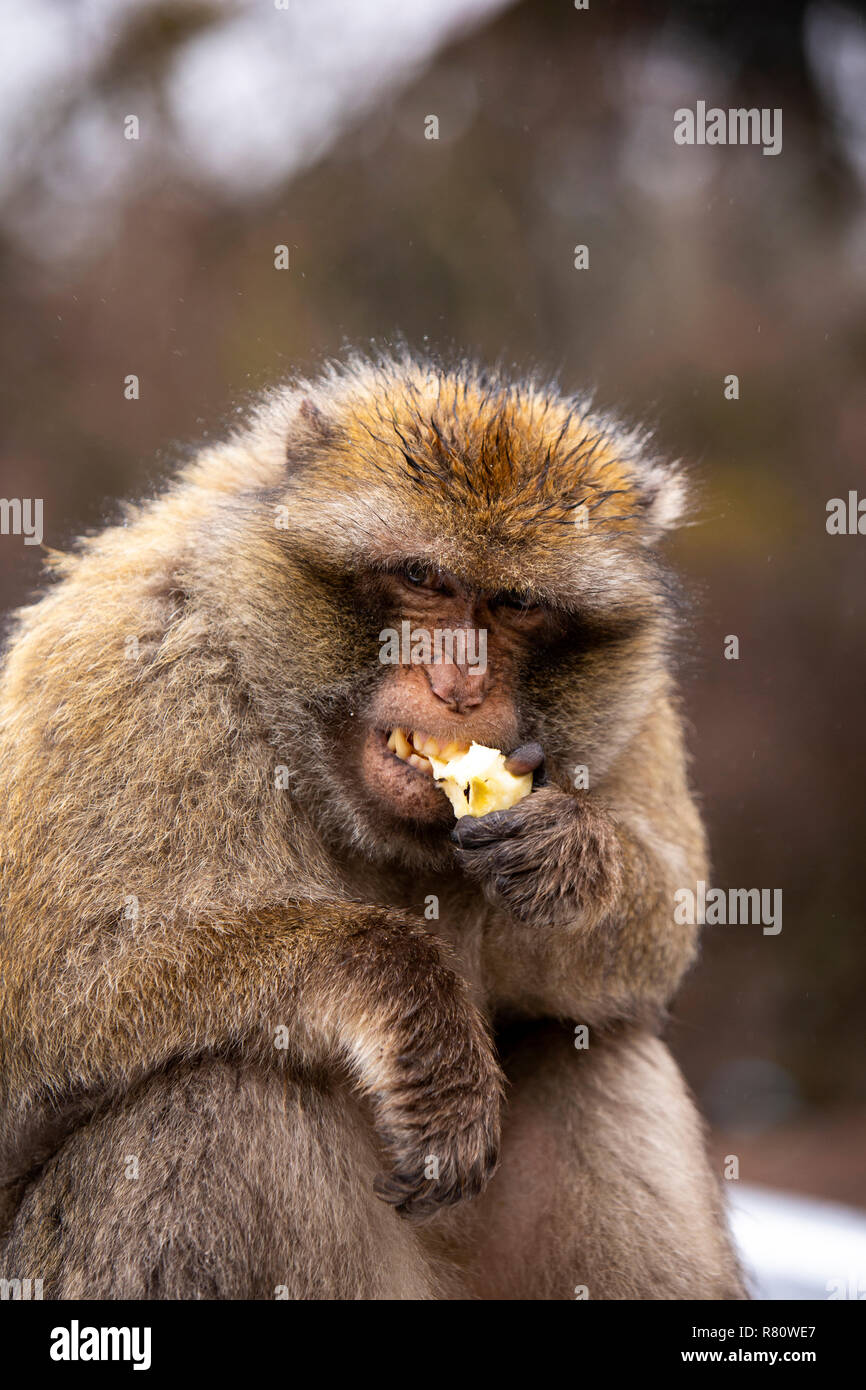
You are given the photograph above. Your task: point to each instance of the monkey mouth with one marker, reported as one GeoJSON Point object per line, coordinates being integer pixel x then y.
{"type": "Point", "coordinates": [417, 749]}
{"type": "Point", "coordinates": [397, 776]}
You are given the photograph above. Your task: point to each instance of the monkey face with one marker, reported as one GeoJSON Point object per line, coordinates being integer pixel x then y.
{"type": "Point", "coordinates": [452, 659]}
{"type": "Point", "coordinates": [451, 656]}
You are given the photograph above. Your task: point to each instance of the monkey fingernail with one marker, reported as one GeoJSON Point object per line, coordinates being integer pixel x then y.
{"type": "Point", "coordinates": [526, 758]}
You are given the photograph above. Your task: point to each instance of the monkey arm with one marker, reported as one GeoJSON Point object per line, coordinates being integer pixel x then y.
{"type": "Point", "coordinates": [584, 884]}
{"type": "Point", "coordinates": [312, 982]}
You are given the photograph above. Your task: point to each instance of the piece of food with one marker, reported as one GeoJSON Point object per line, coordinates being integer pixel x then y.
{"type": "Point", "coordinates": [474, 778]}
{"type": "Point", "coordinates": [477, 782]}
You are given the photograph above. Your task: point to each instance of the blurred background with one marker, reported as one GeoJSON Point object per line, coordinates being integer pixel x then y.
{"type": "Point", "coordinates": [301, 123]}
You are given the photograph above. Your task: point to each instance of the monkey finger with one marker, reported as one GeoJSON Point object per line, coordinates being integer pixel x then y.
{"type": "Point", "coordinates": [473, 832]}
{"type": "Point", "coordinates": [529, 757]}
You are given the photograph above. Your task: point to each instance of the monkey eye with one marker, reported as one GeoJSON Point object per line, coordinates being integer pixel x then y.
{"type": "Point", "coordinates": [420, 575]}
{"type": "Point", "coordinates": [519, 604]}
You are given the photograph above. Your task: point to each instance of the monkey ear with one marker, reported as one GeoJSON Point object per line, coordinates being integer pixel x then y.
{"type": "Point", "coordinates": [662, 500]}
{"type": "Point", "coordinates": [314, 421]}
{"type": "Point", "coordinates": [306, 429]}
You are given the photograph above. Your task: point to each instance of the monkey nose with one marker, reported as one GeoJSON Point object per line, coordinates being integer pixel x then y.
{"type": "Point", "coordinates": [456, 686]}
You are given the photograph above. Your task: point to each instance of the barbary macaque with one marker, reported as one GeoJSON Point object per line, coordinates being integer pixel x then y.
{"type": "Point", "coordinates": [275, 1020]}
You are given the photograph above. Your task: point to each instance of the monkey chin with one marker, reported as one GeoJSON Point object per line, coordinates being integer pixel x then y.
{"type": "Point", "coordinates": [402, 791]}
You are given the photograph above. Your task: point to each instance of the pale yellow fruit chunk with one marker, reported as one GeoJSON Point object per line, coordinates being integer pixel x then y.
{"type": "Point", "coordinates": [477, 782]}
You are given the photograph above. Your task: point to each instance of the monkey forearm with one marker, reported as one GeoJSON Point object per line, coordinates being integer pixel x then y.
{"type": "Point", "coordinates": [99, 1013]}
{"type": "Point", "coordinates": [315, 981]}
{"type": "Point", "coordinates": [587, 926]}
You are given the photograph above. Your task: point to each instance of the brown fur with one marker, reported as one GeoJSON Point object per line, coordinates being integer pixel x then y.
{"type": "Point", "coordinates": [167, 907]}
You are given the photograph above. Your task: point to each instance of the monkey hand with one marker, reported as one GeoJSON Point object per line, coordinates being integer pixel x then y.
{"type": "Point", "coordinates": [546, 860]}
{"type": "Point", "coordinates": [437, 1113]}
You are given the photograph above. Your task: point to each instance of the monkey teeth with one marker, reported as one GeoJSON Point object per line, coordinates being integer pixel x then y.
{"type": "Point", "coordinates": [417, 749]}
{"type": "Point", "coordinates": [399, 744]}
